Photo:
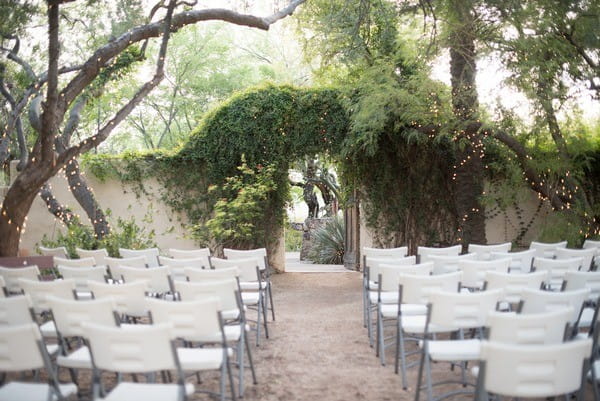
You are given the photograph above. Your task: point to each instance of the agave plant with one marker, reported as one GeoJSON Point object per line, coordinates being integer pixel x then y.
{"type": "Point", "coordinates": [328, 243]}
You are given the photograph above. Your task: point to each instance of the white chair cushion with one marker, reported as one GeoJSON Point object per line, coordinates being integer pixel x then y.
{"type": "Point", "coordinates": [454, 350]}
{"type": "Point", "coordinates": [48, 329]}
{"type": "Point", "coordinates": [250, 298]}
{"type": "Point", "coordinates": [32, 391]}
{"type": "Point", "coordinates": [78, 359]}
{"type": "Point", "coordinates": [147, 392]}
{"type": "Point", "coordinates": [391, 310]}
{"type": "Point", "coordinates": [387, 297]}
{"type": "Point", "coordinates": [194, 359]}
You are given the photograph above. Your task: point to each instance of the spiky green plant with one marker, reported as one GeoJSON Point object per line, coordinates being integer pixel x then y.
{"type": "Point", "coordinates": [328, 243]}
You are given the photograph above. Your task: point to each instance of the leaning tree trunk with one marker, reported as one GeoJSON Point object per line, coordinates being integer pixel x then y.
{"type": "Point", "coordinates": [469, 172]}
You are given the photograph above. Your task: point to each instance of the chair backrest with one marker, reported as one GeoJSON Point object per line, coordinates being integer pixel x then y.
{"type": "Point", "coordinates": [535, 328]}
{"type": "Point", "coordinates": [83, 262]}
{"type": "Point", "coordinates": [247, 267]}
{"type": "Point", "coordinates": [21, 348]}
{"type": "Point", "coordinates": [575, 280]}
{"type": "Point", "coordinates": [423, 269]}
{"type": "Point", "coordinates": [40, 290]}
{"type": "Point", "coordinates": [521, 261]}
{"type": "Point", "coordinates": [59, 251]}
{"type": "Point", "coordinates": [416, 289]}
{"type": "Point", "coordinates": [69, 315]}
{"type": "Point", "coordinates": [555, 269]}
{"type": "Point", "coordinates": [151, 255]}
{"type": "Point", "coordinates": [537, 301]}
{"type": "Point", "coordinates": [157, 278]}
{"type": "Point", "coordinates": [202, 275]}
{"type": "Point", "coordinates": [137, 261]}
{"type": "Point", "coordinates": [177, 266]}
{"type": "Point", "coordinates": [588, 244]}
{"type": "Point", "coordinates": [11, 276]}
{"type": "Point", "coordinates": [538, 371]}
{"type": "Point", "coordinates": [82, 275]}
{"type": "Point", "coordinates": [224, 290]}
{"type": "Point", "coordinates": [15, 310]}
{"type": "Point", "coordinates": [189, 253]}
{"type": "Point", "coordinates": [546, 249]}
{"type": "Point", "coordinates": [513, 284]}
{"type": "Point", "coordinates": [373, 265]}
{"type": "Point", "coordinates": [474, 270]}
{"type": "Point", "coordinates": [196, 320]}
{"type": "Point", "coordinates": [140, 348]}
{"type": "Point", "coordinates": [484, 252]}
{"type": "Point", "coordinates": [461, 310]}
{"type": "Point", "coordinates": [586, 254]}
{"type": "Point", "coordinates": [129, 298]}
{"type": "Point", "coordinates": [378, 253]}
{"type": "Point", "coordinates": [97, 254]}
{"type": "Point", "coordinates": [425, 252]}
{"type": "Point", "coordinates": [259, 253]}
{"type": "Point", "coordinates": [448, 263]}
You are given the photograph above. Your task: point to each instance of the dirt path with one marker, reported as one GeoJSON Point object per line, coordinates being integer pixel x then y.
{"type": "Point", "coordinates": [318, 347]}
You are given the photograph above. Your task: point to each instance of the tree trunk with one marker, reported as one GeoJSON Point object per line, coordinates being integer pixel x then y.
{"type": "Point", "coordinates": [469, 172]}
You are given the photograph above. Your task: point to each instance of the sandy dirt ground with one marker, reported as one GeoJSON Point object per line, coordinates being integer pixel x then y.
{"type": "Point", "coordinates": [318, 348]}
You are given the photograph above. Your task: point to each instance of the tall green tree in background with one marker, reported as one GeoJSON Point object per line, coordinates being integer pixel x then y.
{"type": "Point", "coordinates": [45, 158]}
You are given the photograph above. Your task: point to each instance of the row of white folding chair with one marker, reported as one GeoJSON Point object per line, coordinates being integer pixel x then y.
{"type": "Point", "coordinates": [556, 269]}
{"type": "Point", "coordinates": [59, 251]}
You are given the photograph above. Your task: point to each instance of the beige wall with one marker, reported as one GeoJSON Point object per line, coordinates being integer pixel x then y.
{"type": "Point", "coordinates": [123, 202]}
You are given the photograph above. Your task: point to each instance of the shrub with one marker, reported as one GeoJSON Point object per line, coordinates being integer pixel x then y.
{"type": "Point", "coordinates": [328, 243]}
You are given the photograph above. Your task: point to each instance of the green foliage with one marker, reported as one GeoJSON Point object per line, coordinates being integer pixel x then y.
{"type": "Point", "coordinates": [15, 15]}
{"type": "Point", "coordinates": [328, 242]}
{"type": "Point", "coordinates": [244, 214]}
{"type": "Point", "coordinates": [293, 240]}
{"type": "Point", "coordinates": [126, 234]}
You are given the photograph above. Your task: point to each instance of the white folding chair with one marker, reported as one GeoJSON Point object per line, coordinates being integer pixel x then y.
{"type": "Point", "coordinates": [521, 261]}
{"type": "Point", "coordinates": [11, 276]}
{"type": "Point", "coordinates": [82, 262]}
{"type": "Point", "coordinates": [23, 350]}
{"type": "Point", "coordinates": [137, 261]}
{"type": "Point", "coordinates": [473, 271]}
{"type": "Point", "coordinates": [39, 291]}
{"type": "Point", "coordinates": [263, 264]}
{"type": "Point", "coordinates": [546, 249]}
{"type": "Point", "coordinates": [448, 263]}
{"type": "Point", "coordinates": [68, 317]}
{"type": "Point", "coordinates": [586, 254]}
{"type": "Point", "coordinates": [189, 253]}
{"type": "Point", "coordinates": [589, 244]}
{"type": "Point", "coordinates": [415, 290]}
{"type": "Point", "coordinates": [18, 310]}
{"type": "Point", "coordinates": [59, 251]}
{"type": "Point", "coordinates": [453, 312]}
{"type": "Point", "coordinates": [142, 349]}
{"type": "Point", "coordinates": [370, 273]}
{"type": "Point", "coordinates": [575, 280]}
{"type": "Point", "coordinates": [199, 322]}
{"type": "Point", "coordinates": [555, 270]}
{"type": "Point", "coordinates": [129, 298]}
{"type": "Point", "coordinates": [536, 301]}
{"type": "Point", "coordinates": [205, 275]}
{"type": "Point", "coordinates": [99, 255]}
{"type": "Point", "coordinates": [484, 252]}
{"type": "Point", "coordinates": [82, 275]}
{"type": "Point", "coordinates": [254, 289]}
{"type": "Point", "coordinates": [425, 252]}
{"type": "Point", "coordinates": [537, 371]}
{"type": "Point", "coordinates": [151, 255]}
{"type": "Point", "coordinates": [513, 284]}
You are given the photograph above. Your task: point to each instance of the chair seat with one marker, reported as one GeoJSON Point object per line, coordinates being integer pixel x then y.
{"type": "Point", "coordinates": [233, 332]}
{"type": "Point", "coordinates": [387, 297]}
{"type": "Point", "coordinates": [52, 349]}
{"type": "Point", "coordinates": [231, 314]}
{"type": "Point", "coordinates": [194, 359]}
{"type": "Point", "coordinates": [391, 310]}
{"type": "Point", "coordinates": [454, 350]}
{"type": "Point", "coordinates": [252, 285]}
{"type": "Point", "coordinates": [32, 391]}
{"type": "Point", "coordinates": [416, 324]}
{"type": "Point", "coordinates": [147, 392]}
{"type": "Point", "coordinates": [587, 317]}
{"type": "Point", "coordinates": [78, 359]}
{"type": "Point", "coordinates": [48, 329]}
{"type": "Point", "coordinates": [250, 298]}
